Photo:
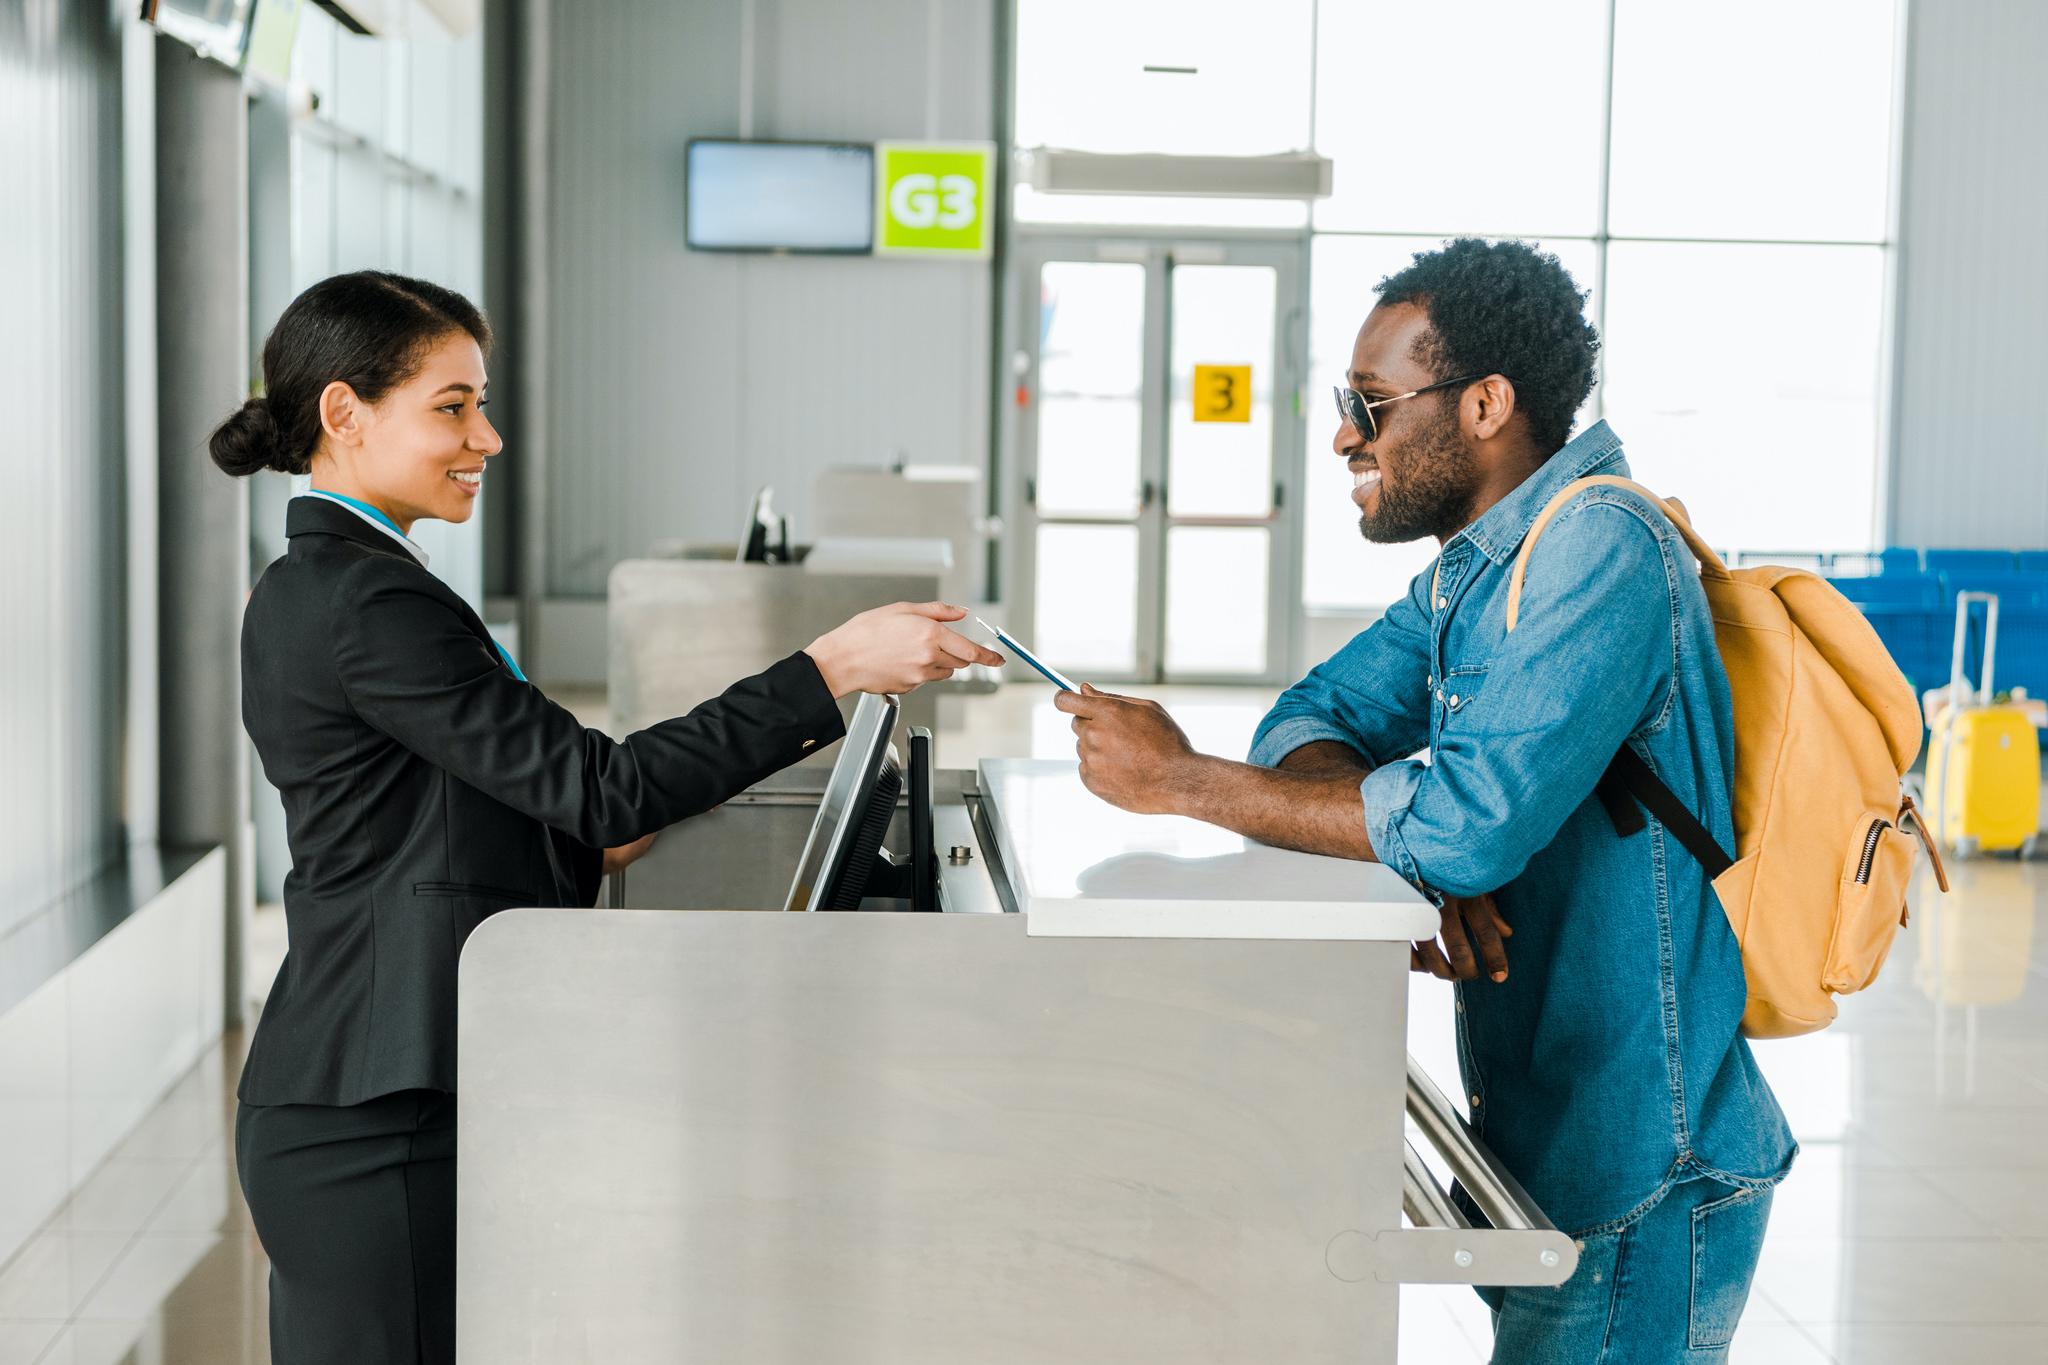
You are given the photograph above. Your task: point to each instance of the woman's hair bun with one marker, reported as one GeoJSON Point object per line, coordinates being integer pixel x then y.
{"type": "Point", "coordinates": [248, 441]}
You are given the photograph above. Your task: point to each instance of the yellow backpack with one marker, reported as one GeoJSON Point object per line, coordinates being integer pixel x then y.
{"type": "Point", "coordinates": [1825, 729]}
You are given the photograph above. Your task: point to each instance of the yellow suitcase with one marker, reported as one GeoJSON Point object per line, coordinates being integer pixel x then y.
{"type": "Point", "coordinates": [1983, 760]}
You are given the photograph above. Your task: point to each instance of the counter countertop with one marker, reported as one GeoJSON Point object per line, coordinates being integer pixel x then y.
{"type": "Point", "coordinates": [1081, 868]}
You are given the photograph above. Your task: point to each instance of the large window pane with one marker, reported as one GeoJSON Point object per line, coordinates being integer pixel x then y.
{"type": "Point", "coordinates": [1091, 318]}
{"type": "Point", "coordinates": [1216, 599]}
{"type": "Point", "coordinates": [1477, 117]}
{"type": "Point", "coordinates": [1752, 118]}
{"type": "Point", "coordinates": [1744, 381]}
{"type": "Point", "coordinates": [1222, 315]}
{"type": "Point", "coordinates": [1340, 569]}
{"type": "Point", "coordinates": [1087, 594]}
{"type": "Point", "coordinates": [1201, 77]}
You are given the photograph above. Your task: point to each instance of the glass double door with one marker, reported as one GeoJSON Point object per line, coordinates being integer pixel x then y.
{"type": "Point", "coordinates": [1158, 434]}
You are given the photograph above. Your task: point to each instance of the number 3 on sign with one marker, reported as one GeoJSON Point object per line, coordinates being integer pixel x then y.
{"type": "Point", "coordinates": [1223, 393]}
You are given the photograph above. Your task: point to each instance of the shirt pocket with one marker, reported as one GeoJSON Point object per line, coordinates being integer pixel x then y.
{"type": "Point", "coordinates": [1457, 692]}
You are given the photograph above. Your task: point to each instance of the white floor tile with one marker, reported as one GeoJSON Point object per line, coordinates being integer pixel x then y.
{"type": "Point", "coordinates": [101, 1343]}
{"type": "Point", "coordinates": [1429, 1330]}
{"type": "Point", "coordinates": [1915, 1343]}
{"type": "Point", "coordinates": [55, 1273]}
{"type": "Point", "coordinates": [1906, 1279]}
{"type": "Point", "coordinates": [152, 1266]}
{"type": "Point", "coordinates": [121, 1196]}
{"type": "Point", "coordinates": [22, 1343]}
{"type": "Point", "coordinates": [1759, 1342]}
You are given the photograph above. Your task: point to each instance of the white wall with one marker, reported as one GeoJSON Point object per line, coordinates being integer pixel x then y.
{"type": "Point", "coordinates": [1970, 462]}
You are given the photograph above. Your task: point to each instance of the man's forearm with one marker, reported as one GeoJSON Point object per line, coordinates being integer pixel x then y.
{"type": "Point", "coordinates": [1310, 803]}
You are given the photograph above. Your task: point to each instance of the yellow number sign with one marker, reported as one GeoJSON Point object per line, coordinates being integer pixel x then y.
{"type": "Point", "coordinates": [1223, 393]}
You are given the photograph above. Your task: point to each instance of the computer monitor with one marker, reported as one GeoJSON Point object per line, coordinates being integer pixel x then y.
{"type": "Point", "coordinates": [213, 28]}
{"type": "Point", "coordinates": [844, 862]}
{"type": "Point", "coordinates": [779, 196]}
{"type": "Point", "coordinates": [764, 539]}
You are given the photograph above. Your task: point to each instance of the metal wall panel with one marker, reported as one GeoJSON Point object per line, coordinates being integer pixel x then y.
{"type": "Point", "coordinates": [1970, 453]}
{"type": "Point", "coordinates": [61, 563]}
{"type": "Point", "coordinates": [678, 381]}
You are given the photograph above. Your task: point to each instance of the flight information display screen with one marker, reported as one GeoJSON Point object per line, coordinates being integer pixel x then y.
{"type": "Point", "coordinates": [780, 196]}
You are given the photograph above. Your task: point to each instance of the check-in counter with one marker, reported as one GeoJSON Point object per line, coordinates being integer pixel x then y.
{"type": "Point", "coordinates": [1137, 1094]}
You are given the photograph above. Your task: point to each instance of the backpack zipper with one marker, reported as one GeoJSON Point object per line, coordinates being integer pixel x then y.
{"type": "Point", "coordinates": [1877, 829]}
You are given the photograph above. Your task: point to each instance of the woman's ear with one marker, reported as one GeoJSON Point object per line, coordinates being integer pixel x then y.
{"type": "Point", "coordinates": [341, 414]}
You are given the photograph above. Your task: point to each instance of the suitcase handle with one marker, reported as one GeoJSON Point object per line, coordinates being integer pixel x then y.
{"type": "Point", "coordinates": [1957, 692]}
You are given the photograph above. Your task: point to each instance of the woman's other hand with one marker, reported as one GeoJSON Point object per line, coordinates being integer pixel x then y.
{"type": "Point", "coordinates": [896, 649]}
{"type": "Point", "coordinates": [625, 855]}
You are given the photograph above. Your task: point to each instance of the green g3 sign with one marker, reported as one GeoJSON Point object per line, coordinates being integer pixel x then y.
{"type": "Point", "coordinates": [933, 199]}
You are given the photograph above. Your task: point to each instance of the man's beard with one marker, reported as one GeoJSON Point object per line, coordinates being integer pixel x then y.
{"type": "Point", "coordinates": [1434, 495]}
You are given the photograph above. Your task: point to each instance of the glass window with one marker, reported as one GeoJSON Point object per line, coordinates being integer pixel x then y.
{"type": "Point", "coordinates": [1752, 118]}
{"type": "Point", "coordinates": [1222, 315]}
{"type": "Point", "coordinates": [1744, 381]}
{"type": "Point", "coordinates": [1216, 599]}
{"type": "Point", "coordinates": [1200, 77]}
{"type": "Point", "coordinates": [1090, 383]}
{"type": "Point", "coordinates": [1480, 118]}
{"type": "Point", "coordinates": [1087, 597]}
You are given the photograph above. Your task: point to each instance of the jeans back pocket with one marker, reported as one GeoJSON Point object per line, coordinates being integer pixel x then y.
{"type": "Point", "coordinates": [1727, 1238]}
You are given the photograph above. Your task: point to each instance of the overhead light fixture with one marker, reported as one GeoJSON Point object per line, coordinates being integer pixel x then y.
{"type": "Point", "coordinates": [1286, 175]}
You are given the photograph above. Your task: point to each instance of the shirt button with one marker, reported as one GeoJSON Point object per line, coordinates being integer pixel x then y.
{"type": "Point", "coordinates": [1454, 701]}
{"type": "Point", "coordinates": [1441, 603]}
{"type": "Point", "coordinates": [1475, 1101]}
{"type": "Point", "coordinates": [1439, 694]}
{"type": "Point", "coordinates": [1461, 1007]}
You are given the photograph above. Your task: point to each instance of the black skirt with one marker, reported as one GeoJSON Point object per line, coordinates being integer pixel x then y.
{"type": "Point", "coordinates": [355, 1207]}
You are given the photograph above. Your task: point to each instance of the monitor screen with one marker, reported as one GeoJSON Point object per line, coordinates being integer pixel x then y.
{"type": "Point", "coordinates": [214, 28]}
{"type": "Point", "coordinates": [862, 790]}
{"type": "Point", "coordinates": [780, 196]}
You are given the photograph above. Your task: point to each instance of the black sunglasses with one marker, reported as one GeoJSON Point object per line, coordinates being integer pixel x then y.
{"type": "Point", "coordinates": [1355, 408]}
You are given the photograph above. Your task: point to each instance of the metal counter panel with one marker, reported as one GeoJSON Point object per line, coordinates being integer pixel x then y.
{"type": "Point", "coordinates": [920, 1138]}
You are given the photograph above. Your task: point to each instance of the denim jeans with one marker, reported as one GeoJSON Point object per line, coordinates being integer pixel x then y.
{"type": "Point", "coordinates": [1668, 1287]}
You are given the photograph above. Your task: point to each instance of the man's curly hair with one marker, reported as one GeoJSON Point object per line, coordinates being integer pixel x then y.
{"type": "Point", "coordinates": [1505, 308]}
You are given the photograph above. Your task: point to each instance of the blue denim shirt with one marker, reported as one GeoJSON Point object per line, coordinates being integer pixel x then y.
{"type": "Point", "coordinates": [1608, 1065]}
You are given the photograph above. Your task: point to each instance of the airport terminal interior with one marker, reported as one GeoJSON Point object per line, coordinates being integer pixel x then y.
{"type": "Point", "coordinates": [799, 308]}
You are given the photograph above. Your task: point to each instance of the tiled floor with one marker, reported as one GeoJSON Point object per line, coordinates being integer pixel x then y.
{"type": "Point", "coordinates": [1914, 1229]}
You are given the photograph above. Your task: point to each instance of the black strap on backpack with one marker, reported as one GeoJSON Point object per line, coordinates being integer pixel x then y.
{"type": "Point", "coordinates": [1627, 781]}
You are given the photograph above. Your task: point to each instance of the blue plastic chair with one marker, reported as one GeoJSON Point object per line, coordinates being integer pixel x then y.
{"type": "Point", "coordinates": [2016, 591]}
{"type": "Point", "coordinates": [1921, 591]}
{"type": "Point", "coordinates": [1898, 559]}
{"type": "Point", "coordinates": [1971, 561]}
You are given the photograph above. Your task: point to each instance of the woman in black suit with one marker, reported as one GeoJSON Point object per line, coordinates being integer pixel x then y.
{"type": "Point", "coordinates": [427, 785]}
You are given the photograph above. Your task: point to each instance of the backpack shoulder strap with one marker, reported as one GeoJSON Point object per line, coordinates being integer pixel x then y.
{"type": "Point", "coordinates": [1628, 778]}
{"type": "Point", "coordinates": [1710, 563]}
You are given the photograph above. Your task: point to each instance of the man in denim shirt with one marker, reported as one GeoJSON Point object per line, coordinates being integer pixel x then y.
{"type": "Point", "coordinates": [1605, 1069]}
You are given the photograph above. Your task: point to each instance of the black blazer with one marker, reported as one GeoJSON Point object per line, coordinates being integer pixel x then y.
{"type": "Point", "coordinates": [425, 787]}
